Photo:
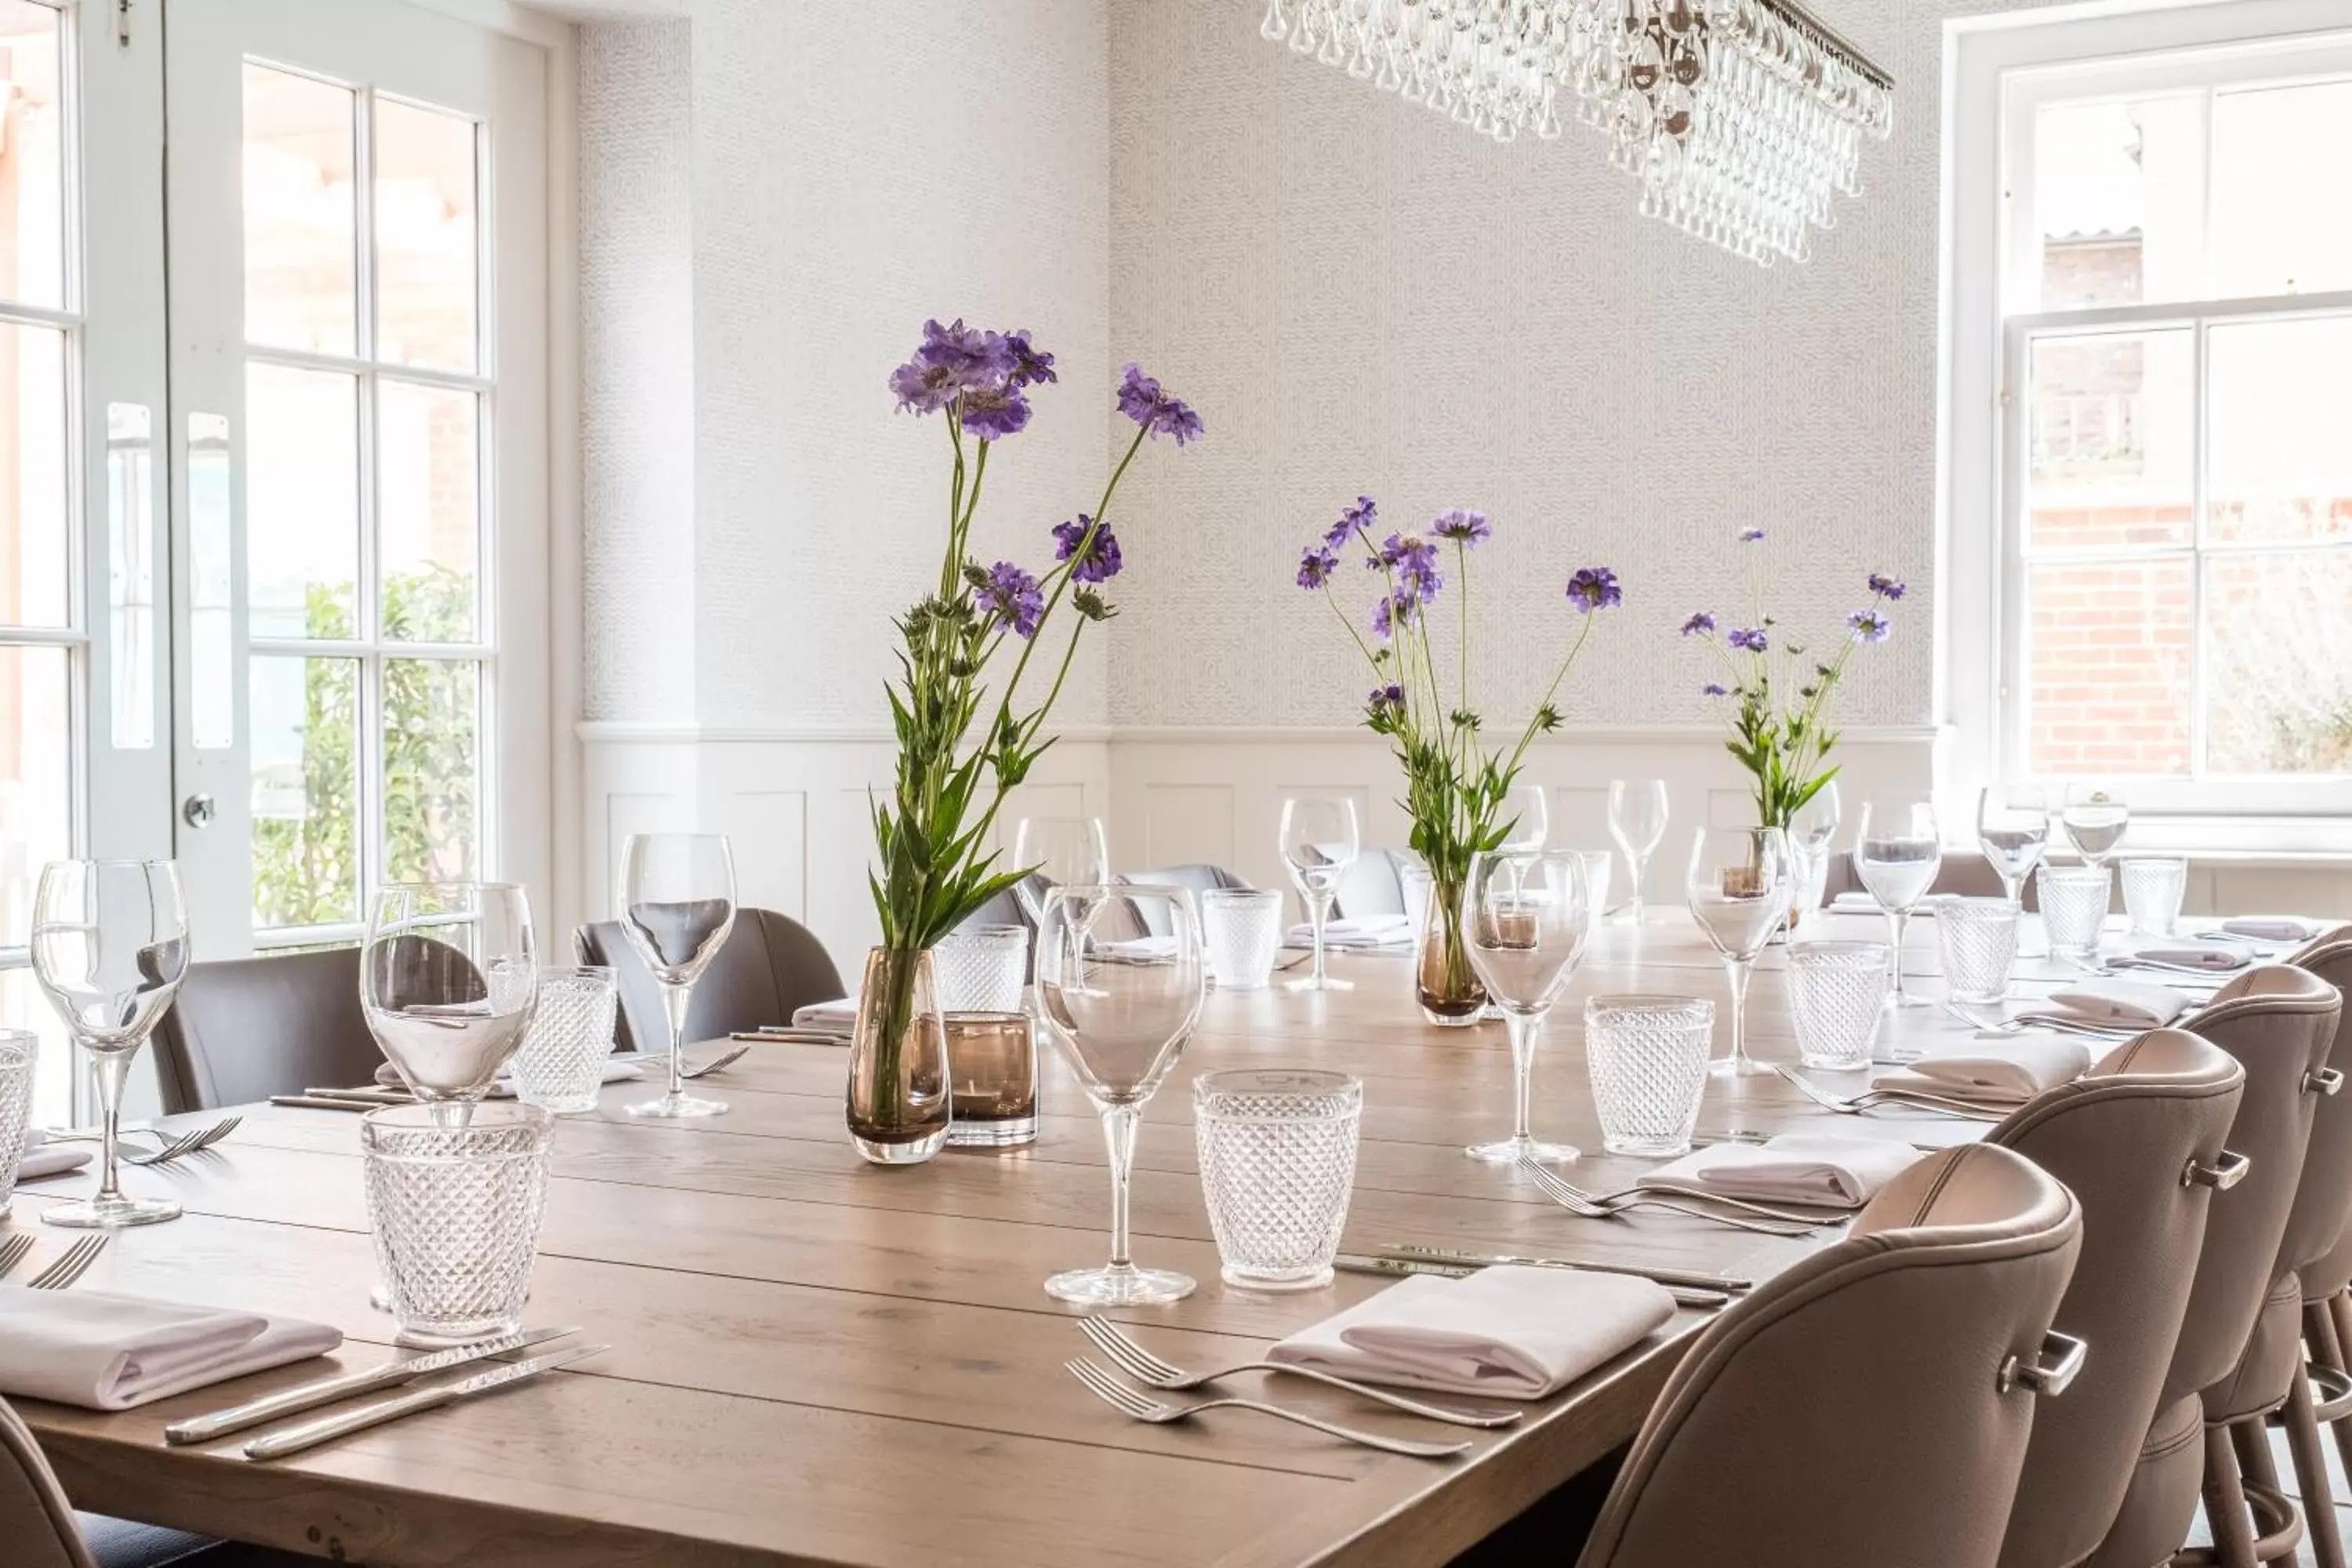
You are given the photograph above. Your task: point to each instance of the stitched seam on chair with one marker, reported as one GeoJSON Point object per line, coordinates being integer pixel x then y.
{"type": "Point", "coordinates": [1935, 1188]}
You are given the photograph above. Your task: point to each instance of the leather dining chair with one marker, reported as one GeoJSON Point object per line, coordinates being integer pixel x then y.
{"type": "Point", "coordinates": [2280, 1024]}
{"type": "Point", "coordinates": [770, 966]}
{"type": "Point", "coordinates": [1966, 876]}
{"type": "Point", "coordinates": [1872, 1403]}
{"type": "Point", "coordinates": [1195, 879]}
{"type": "Point", "coordinates": [2138, 1141]}
{"type": "Point", "coordinates": [1374, 885]}
{"type": "Point", "coordinates": [2324, 1209]}
{"type": "Point", "coordinates": [242, 1029]}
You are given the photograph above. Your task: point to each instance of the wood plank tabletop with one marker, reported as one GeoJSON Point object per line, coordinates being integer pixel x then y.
{"type": "Point", "coordinates": [818, 1362]}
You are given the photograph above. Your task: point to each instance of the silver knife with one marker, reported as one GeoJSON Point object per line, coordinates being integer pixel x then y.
{"type": "Point", "coordinates": [1402, 1268]}
{"type": "Point", "coordinates": [1682, 1277]}
{"type": "Point", "coordinates": [311, 1433]}
{"type": "Point", "coordinates": [342, 1386]}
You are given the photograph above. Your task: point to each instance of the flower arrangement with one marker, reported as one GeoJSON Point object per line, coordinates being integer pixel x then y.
{"type": "Point", "coordinates": [1781, 694]}
{"type": "Point", "coordinates": [1455, 786]}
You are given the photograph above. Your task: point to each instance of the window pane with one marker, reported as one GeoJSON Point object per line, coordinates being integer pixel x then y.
{"type": "Point", "coordinates": [211, 599]}
{"type": "Point", "coordinates": [2283, 190]}
{"type": "Point", "coordinates": [425, 251]}
{"type": "Point", "coordinates": [2120, 190]}
{"type": "Point", "coordinates": [301, 501]}
{"type": "Point", "coordinates": [2280, 428]}
{"type": "Point", "coordinates": [301, 236]}
{"type": "Point", "coordinates": [305, 790]}
{"type": "Point", "coordinates": [432, 770]}
{"type": "Point", "coordinates": [131, 571]}
{"type": "Point", "coordinates": [2278, 692]}
{"type": "Point", "coordinates": [32, 535]}
{"type": "Point", "coordinates": [35, 777]}
{"type": "Point", "coordinates": [428, 533]}
{"type": "Point", "coordinates": [31, 163]}
{"type": "Point", "coordinates": [2107, 665]}
{"type": "Point", "coordinates": [22, 1006]}
{"type": "Point", "coordinates": [2112, 422]}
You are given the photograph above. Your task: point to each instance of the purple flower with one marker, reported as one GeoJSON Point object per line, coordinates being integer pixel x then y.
{"type": "Point", "coordinates": [1869, 626]}
{"type": "Point", "coordinates": [1698, 624]}
{"type": "Point", "coordinates": [1387, 698]}
{"type": "Point", "coordinates": [1594, 588]}
{"type": "Point", "coordinates": [1361, 518]}
{"type": "Point", "coordinates": [1030, 366]}
{"type": "Point", "coordinates": [1754, 641]}
{"type": "Point", "coordinates": [1102, 562]}
{"type": "Point", "coordinates": [995, 411]}
{"type": "Point", "coordinates": [1886, 587]}
{"type": "Point", "coordinates": [1142, 400]}
{"type": "Point", "coordinates": [1012, 596]}
{"type": "Point", "coordinates": [1316, 564]}
{"type": "Point", "coordinates": [951, 361]}
{"type": "Point", "coordinates": [1469, 529]}
{"type": "Point", "coordinates": [1715, 689]}
{"type": "Point", "coordinates": [1414, 561]}
{"type": "Point", "coordinates": [1396, 610]}
{"type": "Point", "coordinates": [1751, 536]}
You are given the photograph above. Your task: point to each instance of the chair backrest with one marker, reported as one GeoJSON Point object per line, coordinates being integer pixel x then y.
{"type": "Point", "coordinates": [1965, 874]}
{"type": "Point", "coordinates": [242, 1029]}
{"type": "Point", "coordinates": [35, 1520]}
{"type": "Point", "coordinates": [1864, 1407]}
{"type": "Point", "coordinates": [1374, 885]}
{"type": "Point", "coordinates": [770, 966]}
{"type": "Point", "coordinates": [2330, 958]}
{"type": "Point", "coordinates": [1196, 879]}
{"type": "Point", "coordinates": [2323, 1202]}
{"type": "Point", "coordinates": [2121, 1139]}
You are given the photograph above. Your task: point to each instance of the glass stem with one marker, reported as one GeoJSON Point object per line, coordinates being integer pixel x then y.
{"type": "Point", "coordinates": [109, 1068]}
{"type": "Point", "coordinates": [1641, 878]}
{"type": "Point", "coordinates": [1737, 970]}
{"type": "Point", "coordinates": [673, 1001]}
{"type": "Point", "coordinates": [1119, 1132]}
{"type": "Point", "coordinates": [1897, 919]}
{"type": "Point", "coordinates": [1522, 1027]}
{"type": "Point", "coordinates": [1318, 911]}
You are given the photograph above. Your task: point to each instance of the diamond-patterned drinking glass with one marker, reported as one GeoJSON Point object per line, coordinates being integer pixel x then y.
{"type": "Point", "coordinates": [981, 969]}
{"type": "Point", "coordinates": [1597, 866]}
{"type": "Point", "coordinates": [1277, 1151]}
{"type": "Point", "coordinates": [1979, 937]}
{"type": "Point", "coordinates": [2075, 907]}
{"type": "Point", "coordinates": [20, 1050]}
{"type": "Point", "coordinates": [1648, 1058]}
{"type": "Point", "coordinates": [455, 1195]}
{"type": "Point", "coordinates": [1242, 929]}
{"type": "Point", "coordinates": [561, 1063]}
{"type": "Point", "coordinates": [2154, 885]}
{"type": "Point", "coordinates": [1839, 994]}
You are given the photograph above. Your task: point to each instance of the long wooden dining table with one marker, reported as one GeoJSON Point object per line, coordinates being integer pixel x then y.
{"type": "Point", "coordinates": [815, 1361]}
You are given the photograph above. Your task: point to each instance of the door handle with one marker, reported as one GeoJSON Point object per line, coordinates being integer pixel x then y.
{"type": "Point", "coordinates": [199, 810]}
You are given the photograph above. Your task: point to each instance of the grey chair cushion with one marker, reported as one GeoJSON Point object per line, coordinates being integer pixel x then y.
{"type": "Point", "coordinates": [244, 1029]}
{"type": "Point", "coordinates": [770, 966]}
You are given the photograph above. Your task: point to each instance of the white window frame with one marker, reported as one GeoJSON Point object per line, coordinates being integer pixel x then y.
{"type": "Point", "coordinates": [1998, 72]}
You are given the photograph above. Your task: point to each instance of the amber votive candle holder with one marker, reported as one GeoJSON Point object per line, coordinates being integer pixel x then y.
{"type": "Point", "coordinates": [992, 1069]}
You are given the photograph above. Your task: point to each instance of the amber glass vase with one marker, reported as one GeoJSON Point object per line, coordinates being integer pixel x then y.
{"type": "Point", "coordinates": [900, 1103]}
{"type": "Point", "coordinates": [992, 1063]}
{"type": "Point", "coordinates": [1451, 995]}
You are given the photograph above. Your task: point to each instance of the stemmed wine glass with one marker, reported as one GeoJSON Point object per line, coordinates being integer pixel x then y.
{"type": "Point", "coordinates": [2094, 817]}
{"type": "Point", "coordinates": [1812, 829]}
{"type": "Point", "coordinates": [1739, 886]}
{"type": "Point", "coordinates": [1058, 852]}
{"type": "Point", "coordinates": [678, 904]}
{"type": "Point", "coordinates": [1898, 853]}
{"type": "Point", "coordinates": [1121, 1027]}
{"type": "Point", "coordinates": [110, 945]}
{"type": "Point", "coordinates": [1637, 820]}
{"type": "Point", "coordinates": [1526, 917]}
{"type": "Point", "coordinates": [1526, 814]}
{"type": "Point", "coordinates": [2013, 830]}
{"type": "Point", "coordinates": [1319, 842]}
{"type": "Point", "coordinates": [447, 982]}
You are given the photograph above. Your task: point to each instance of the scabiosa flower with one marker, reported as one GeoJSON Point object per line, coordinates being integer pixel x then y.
{"type": "Point", "coordinates": [951, 361]}
{"type": "Point", "coordinates": [1698, 624]}
{"type": "Point", "coordinates": [1030, 366]}
{"type": "Point", "coordinates": [995, 411]}
{"type": "Point", "coordinates": [1469, 529]}
{"type": "Point", "coordinates": [1414, 561]}
{"type": "Point", "coordinates": [1751, 536]}
{"type": "Point", "coordinates": [1594, 588]}
{"type": "Point", "coordinates": [1101, 562]}
{"type": "Point", "coordinates": [1886, 587]}
{"type": "Point", "coordinates": [1393, 611]}
{"type": "Point", "coordinates": [1715, 689]}
{"type": "Point", "coordinates": [1361, 518]}
{"type": "Point", "coordinates": [1869, 626]}
{"type": "Point", "coordinates": [1754, 641]}
{"type": "Point", "coordinates": [1387, 700]}
{"type": "Point", "coordinates": [1316, 564]}
{"type": "Point", "coordinates": [1012, 596]}
{"type": "Point", "coordinates": [1142, 400]}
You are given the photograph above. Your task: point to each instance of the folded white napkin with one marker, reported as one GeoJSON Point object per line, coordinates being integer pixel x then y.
{"type": "Point", "coordinates": [111, 1352]}
{"type": "Point", "coordinates": [2140, 1002]}
{"type": "Point", "coordinates": [1138, 949]}
{"type": "Point", "coordinates": [2196, 955]}
{"type": "Point", "coordinates": [1852, 903]}
{"type": "Point", "coordinates": [2009, 1070]}
{"type": "Point", "coordinates": [616, 1070]}
{"type": "Point", "coordinates": [836, 1017]}
{"type": "Point", "coordinates": [1509, 1333]}
{"type": "Point", "coordinates": [1793, 1168]}
{"type": "Point", "coordinates": [1370, 930]}
{"type": "Point", "coordinates": [41, 1158]}
{"type": "Point", "coordinates": [2272, 927]}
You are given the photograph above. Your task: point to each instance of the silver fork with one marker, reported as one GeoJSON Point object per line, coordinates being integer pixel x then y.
{"type": "Point", "coordinates": [69, 1265]}
{"type": "Point", "coordinates": [1745, 1206]}
{"type": "Point", "coordinates": [1900, 1099]}
{"type": "Point", "coordinates": [1583, 1207]}
{"type": "Point", "coordinates": [1138, 1406]}
{"type": "Point", "coordinates": [173, 1147]}
{"type": "Point", "coordinates": [1145, 1368]}
{"type": "Point", "coordinates": [12, 1251]}
{"type": "Point", "coordinates": [723, 1060]}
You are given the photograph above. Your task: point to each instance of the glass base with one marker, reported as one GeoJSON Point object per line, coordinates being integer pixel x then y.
{"type": "Point", "coordinates": [1735, 1067]}
{"type": "Point", "coordinates": [679, 1105]}
{"type": "Point", "coordinates": [1904, 1000]}
{"type": "Point", "coordinates": [380, 1296]}
{"type": "Point", "coordinates": [1512, 1151]}
{"type": "Point", "coordinates": [1242, 1280]}
{"type": "Point", "coordinates": [1119, 1285]}
{"type": "Point", "coordinates": [1326, 983]}
{"type": "Point", "coordinates": [1835, 1064]}
{"type": "Point", "coordinates": [899, 1152]}
{"type": "Point", "coordinates": [1469, 1020]}
{"type": "Point", "coordinates": [1649, 1148]}
{"type": "Point", "coordinates": [999, 1133]}
{"type": "Point", "coordinates": [109, 1214]}
{"type": "Point", "coordinates": [448, 1336]}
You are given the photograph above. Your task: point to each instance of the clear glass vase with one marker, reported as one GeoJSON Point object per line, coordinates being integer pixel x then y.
{"type": "Point", "coordinates": [900, 1104]}
{"type": "Point", "coordinates": [1451, 995]}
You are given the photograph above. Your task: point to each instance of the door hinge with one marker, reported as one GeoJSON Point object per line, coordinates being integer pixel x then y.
{"type": "Point", "coordinates": [122, 24]}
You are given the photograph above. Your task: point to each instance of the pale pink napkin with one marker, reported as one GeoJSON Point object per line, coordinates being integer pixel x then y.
{"type": "Point", "coordinates": [111, 1352]}
{"type": "Point", "coordinates": [1793, 1168]}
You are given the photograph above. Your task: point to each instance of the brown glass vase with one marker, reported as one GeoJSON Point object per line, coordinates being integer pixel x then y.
{"type": "Point", "coordinates": [993, 1064]}
{"type": "Point", "coordinates": [901, 1106]}
{"type": "Point", "coordinates": [1450, 992]}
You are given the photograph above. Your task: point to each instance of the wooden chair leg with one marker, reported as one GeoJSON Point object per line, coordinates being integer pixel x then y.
{"type": "Point", "coordinates": [2311, 1477]}
{"type": "Point", "coordinates": [2225, 1503]}
{"type": "Point", "coordinates": [2319, 1336]}
{"type": "Point", "coordinates": [2339, 1316]}
{"type": "Point", "coordinates": [2256, 1464]}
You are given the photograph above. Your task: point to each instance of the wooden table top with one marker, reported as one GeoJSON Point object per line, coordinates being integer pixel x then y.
{"type": "Point", "coordinates": [815, 1361]}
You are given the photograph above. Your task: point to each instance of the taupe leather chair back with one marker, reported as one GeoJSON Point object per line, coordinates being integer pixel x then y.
{"type": "Point", "coordinates": [1374, 885]}
{"type": "Point", "coordinates": [2323, 1202]}
{"type": "Point", "coordinates": [1195, 879]}
{"type": "Point", "coordinates": [2330, 958]}
{"type": "Point", "coordinates": [1966, 876]}
{"type": "Point", "coordinates": [242, 1029]}
{"type": "Point", "coordinates": [2137, 1141]}
{"type": "Point", "coordinates": [35, 1520]}
{"type": "Point", "coordinates": [1871, 1404]}
{"type": "Point", "coordinates": [770, 967]}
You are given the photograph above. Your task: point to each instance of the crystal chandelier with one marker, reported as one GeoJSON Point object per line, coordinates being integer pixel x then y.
{"type": "Point", "coordinates": [1742, 119]}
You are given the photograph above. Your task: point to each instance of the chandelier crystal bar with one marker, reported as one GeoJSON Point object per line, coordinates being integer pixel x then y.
{"type": "Point", "coordinates": [1744, 120]}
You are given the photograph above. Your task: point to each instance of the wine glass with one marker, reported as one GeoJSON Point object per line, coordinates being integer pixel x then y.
{"type": "Point", "coordinates": [1121, 1027]}
{"type": "Point", "coordinates": [1898, 852]}
{"type": "Point", "coordinates": [2094, 817]}
{"type": "Point", "coordinates": [1637, 820]}
{"type": "Point", "coordinates": [447, 983]}
{"type": "Point", "coordinates": [1813, 828]}
{"type": "Point", "coordinates": [1740, 885]}
{"type": "Point", "coordinates": [678, 904]}
{"type": "Point", "coordinates": [110, 945]}
{"type": "Point", "coordinates": [1526, 917]}
{"type": "Point", "coordinates": [1525, 817]}
{"type": "Point", "coordinates": [2013, 830]}
{"type": "Point", "coordinates": [1319, 842]}
{"type": "Point", "coordinates": [1058, 852]}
